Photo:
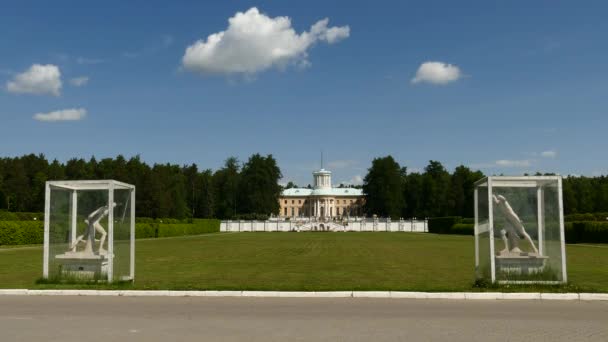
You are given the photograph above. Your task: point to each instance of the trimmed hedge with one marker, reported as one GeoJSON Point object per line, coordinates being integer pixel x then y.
{"type": "Point", "coordinates": [462, 229]}
{"type": "Point", "coordinates": [586, 217]}
{"type": "Point", "coordinates": [32, 232]}
{"type": "Point", "coordinates": [197, 227]}
{"type": "Point", "coordinates": [586, 232]}
{"type": "Point", "coordinates": [11, 216]}
{"type": "Point", "coordinates": [21, 232]}
{"type": "Point", "coordinates": [576, 232]}
{"type": "Point", "coordinates": [442, 225]}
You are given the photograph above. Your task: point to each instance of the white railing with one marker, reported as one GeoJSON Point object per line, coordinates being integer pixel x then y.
{"type": "Point", "coordinates": [361, 225]}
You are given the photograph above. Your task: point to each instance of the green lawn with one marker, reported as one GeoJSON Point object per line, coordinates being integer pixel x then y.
{"type": "Point", "coordinates": [309, 261]}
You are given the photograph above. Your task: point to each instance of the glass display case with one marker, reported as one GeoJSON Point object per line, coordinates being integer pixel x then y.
{"type": "Point", "coordinates": [89, 230]}
{"type": "Point", "coordinates": [519, 230]}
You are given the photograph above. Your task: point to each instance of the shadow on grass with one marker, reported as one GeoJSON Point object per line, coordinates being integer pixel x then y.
{"type": "Point", "coordinates": [74, 282]}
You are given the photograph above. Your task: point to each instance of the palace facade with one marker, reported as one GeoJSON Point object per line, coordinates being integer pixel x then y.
{"type": "Point", "coordinates": [322, 201]}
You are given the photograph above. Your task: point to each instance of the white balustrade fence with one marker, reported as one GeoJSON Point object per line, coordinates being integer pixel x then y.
{"type": "Point", "coordinates": [365, 225]}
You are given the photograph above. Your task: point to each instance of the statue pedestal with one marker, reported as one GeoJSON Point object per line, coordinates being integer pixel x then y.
{"type": "Point", "coordinates": [520, 263]}
{"type": "Point", "coordinates": [83, 265]}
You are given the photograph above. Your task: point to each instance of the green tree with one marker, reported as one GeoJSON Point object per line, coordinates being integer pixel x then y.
{"type": "Point", "coordinates": [462, 188]}
{"type": "Point", "coordinates": [435, 189]}
{"type": "Point", "coordinates": [259, 188]}
{"type": "Point", "coordinates": [225, 184]}
{"type": "Point", "coordinates": [412, 194]}
{"type": "Point", "coordinates": [383, 188]}
{"type": "Point", "coordinates": [290, 185]}
{"type": "Point", "coordinates": [205, 200]}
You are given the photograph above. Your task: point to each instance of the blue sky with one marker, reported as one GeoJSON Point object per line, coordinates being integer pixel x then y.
{"type": "Point", "coordinates": [516, 86]}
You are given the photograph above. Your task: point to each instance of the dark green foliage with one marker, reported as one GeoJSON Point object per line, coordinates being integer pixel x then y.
{"type": "Point", "coordinates": [259, 189]}
{"type": "Point", "coordinates": [255, 217]}
{"type": "Point", "coordinates": [586, 232]}
{"type": "Point", "coordinates": [383, 186]}
{"type": "Point", "coordinates": [291, 184]}
{"type": "Point", "coordinates": [433, 193]}
{"type": "Point", "coordinates": [225, 189]}
{"type": "Point", "coordinates": [32, 232]}
{"type": "Point", "coordinates": [21, 232]}
{"type": "Point", "coordinates": [463, 229]}
{"type": "Point", "coordinates": [587, 217]}
{"type": "Point", "coordinates": [442, 225]}
{"type": "Point", "coordinates": [163, 190]}
{"type": "Point", "coordinates": [452, 225]}
{"type": "Point", "coordinates": [436, 190]}
{"type": "Point", "coordinates": [19, 216]}
{"type": "Point", "coordinates": [196, 228]}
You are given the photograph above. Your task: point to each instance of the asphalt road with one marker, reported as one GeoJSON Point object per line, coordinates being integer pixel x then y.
{"type": "Point", "coordinates": [153, 319]}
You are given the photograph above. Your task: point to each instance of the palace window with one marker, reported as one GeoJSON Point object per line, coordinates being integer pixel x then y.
{"type": "Point", "coordinates": [285, 211]}
{"type": "Point", "coordinates": [299, 201]}
{"type": "Point", "coordinates": [293, 201]}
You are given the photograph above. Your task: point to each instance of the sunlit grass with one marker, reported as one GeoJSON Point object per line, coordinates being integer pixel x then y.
{"type": "Point", "coordinates": [309, 261]}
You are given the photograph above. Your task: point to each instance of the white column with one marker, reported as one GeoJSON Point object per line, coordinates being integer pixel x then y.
{"type": "Point", "coordinates": [74, 216]}
{"type": "Point", "coordinates": [491, 230]}
{"type": "Point", "coordinates": [540, 214]}
{"type": "Point", "coordinates": [476, 227]}
{"type": "Point", "coordinates": [47, 218]}
{"type": "Point", "coordinates": [132, 227]}
{"type": "Point", "coordinates": [561, 228]}
{"type": "Point", "coordinates": [110, 249]}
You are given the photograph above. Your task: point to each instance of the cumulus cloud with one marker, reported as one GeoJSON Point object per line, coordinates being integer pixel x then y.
{"type": "Point", "coordinates": [79, 81]}
{"type": "Point", "coordinates": [513, 163]}
{"type": "Point", "coordinates": [38, 79]}
{"type": "Point", "coordinates": [255, 42]}
{"type": "Point", "coordinates": [437, 73]}
{"type": "Point", "coordinates": [73, 114]}
{"type": "Point", "coordinates": [549, 154]}
{"type": "Point", "coordinates": [356, 180]}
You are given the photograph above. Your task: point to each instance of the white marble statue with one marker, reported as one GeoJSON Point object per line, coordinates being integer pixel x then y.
{"type": "Point", "coordinates": [94, 226]}
{"type": "Point", "coordinates": [513, 230]}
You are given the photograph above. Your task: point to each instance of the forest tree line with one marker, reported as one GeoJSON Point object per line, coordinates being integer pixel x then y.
{"type": "Point", "coordinates": [251, 189]}
{"type": "Point", "coordinates": [163, 190]}
{"type": "Point", "coordinates": [435, 192]}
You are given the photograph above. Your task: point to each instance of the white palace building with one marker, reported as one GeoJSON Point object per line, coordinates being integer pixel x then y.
{"type": "Point", "coordinates": [322, 201]}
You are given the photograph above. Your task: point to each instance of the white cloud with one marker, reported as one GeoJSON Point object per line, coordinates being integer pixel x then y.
{"type": "Point", "coordinates": [513, 163]}
{"type": "Point", "coordinates": [73, 114]}
{"type": "Point", "coordinates": [549, 154]}
{"type": "Point", "coordinates": [79, 81]}
{"type": "Point", "coordinates": [437, 73]}
{"type": "Point", "coordinates": [356, 180]}
{"type": "Point", "coordinates": [38, 79]}
{"type": "Point", "coordinates": [330, 35]}
{"type": "Point", "coordinates": [255, 42]}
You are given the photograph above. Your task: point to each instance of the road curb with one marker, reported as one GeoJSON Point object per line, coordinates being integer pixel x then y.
{"type": "Point", "coordinates": [320, 294]}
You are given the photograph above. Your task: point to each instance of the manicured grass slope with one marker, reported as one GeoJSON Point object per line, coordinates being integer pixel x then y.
{"type": "Point", "coordinates": [308, 261]}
